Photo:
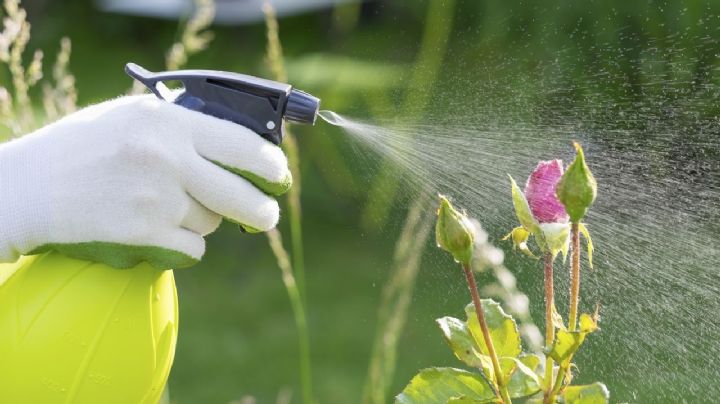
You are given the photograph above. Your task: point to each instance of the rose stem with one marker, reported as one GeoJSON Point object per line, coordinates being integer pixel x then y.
{"type": "Point", "coordinates": [574, 299]}
{"type": "Point", "coordinates": [574, 277]}
{"type": "Point", "coordinates": [549, 326]}
{"type": "Point", "coordinates": [486, 334]}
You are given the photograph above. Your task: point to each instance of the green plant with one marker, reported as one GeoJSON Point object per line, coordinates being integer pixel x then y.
{"type": "Point", "coordinates": [16, 108]}
{"type": "Point", "coordinates": [293, 274]}
{"type": "Point", "coordinates": [489, 339]}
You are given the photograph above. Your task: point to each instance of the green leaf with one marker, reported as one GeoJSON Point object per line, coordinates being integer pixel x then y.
{"type": "Point", "coordinates": [461, 342]}
{"type": "Point", "coordinates": [577, 187]}
{"type": "Point", "coordinates": [565, 345]}
{"type": "Point", "coordinates": [588, 240]}
{"type": "Point", "coordinates": [465, 400]}
{"type": "Point", "coordinates": [595, 393]}
{"type": "Point", "coordinates": [567, 342]}
{"type": "Point", "coordinates": [521, 381]}
{"type": "Point", "coordinates": [588, 323]}
{"type": "Point", "coordinates": [503, 330]}
{"type": "Point", "coordinates": [534, 362]}
{"type": "Point", "coordinates": [438, 385]}
{"type": "Point", "coordinates": [522, 209]}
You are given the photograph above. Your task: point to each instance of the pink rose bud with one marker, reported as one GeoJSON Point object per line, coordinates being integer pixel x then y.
{"type": "Point", "coordinates": [540, 193]}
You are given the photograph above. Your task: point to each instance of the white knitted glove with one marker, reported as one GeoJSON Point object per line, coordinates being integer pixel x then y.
{"type": "Point", "coordinates": [135, 179]}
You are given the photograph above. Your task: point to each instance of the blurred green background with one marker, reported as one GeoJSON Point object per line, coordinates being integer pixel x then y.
{"type": "Point", "coordinates": [238, 336]}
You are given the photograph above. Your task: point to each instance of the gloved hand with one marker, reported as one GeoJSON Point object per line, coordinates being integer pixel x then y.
{"type": "Point", "coordinates": [135, 179]}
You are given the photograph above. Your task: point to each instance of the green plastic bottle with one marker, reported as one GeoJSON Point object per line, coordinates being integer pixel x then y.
{"type": "Point", "coordinates": [77, 332]}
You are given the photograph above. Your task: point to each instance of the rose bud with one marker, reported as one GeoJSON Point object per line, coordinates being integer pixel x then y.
{"type": "Point", "coordinates": [454, 232]}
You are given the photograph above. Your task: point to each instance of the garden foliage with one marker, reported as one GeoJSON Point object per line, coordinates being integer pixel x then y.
{"type": "Point", "coordinates": [488, 339]}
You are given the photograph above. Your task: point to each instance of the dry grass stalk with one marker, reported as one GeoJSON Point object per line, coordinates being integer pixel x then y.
{"type": "Point", "coordinates": [16, 106]}
{"type": "Point", "coordinates": [274, 61]}
{"type": "Point", "coordinates": [194, 37]}
{"type": "Point", "coordinates": [395, 300]}
{"type": "Point", "coordinates": [60, 99]}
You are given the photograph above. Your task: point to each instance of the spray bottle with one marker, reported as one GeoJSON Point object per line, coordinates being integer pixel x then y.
{"type": "Point", "coordinates": [75, 332]}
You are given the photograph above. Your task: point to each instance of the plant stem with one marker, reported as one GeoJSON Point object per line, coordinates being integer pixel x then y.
{"type": "Point", "coordinates": [558, 384]}
{"type": "Point", "coordinates": [504, 395]}
{"type": "Point", "coordinates": [549, 326]}
{"type": "Point", "coordinates": [574, 277]}
{"type": "Point", "coordinates": [296, 240]}
{"type": "Point", "coordinates": [296, 301]}
{"type": "Point", "coordinates": [296, 288]}
{"type": "Point", "coordinates": [574, 302]}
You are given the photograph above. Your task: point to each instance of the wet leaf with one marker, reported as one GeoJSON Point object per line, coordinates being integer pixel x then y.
{"type": "Point", "coordinates": [461, 342]}
{"type": "Point", "coordinates": [503, 329]}
{"type": "Point", "coordinates": [565, 345]}
{"type": "Point", "coordinates": [534, 362]}
{"type": "Point", "coordinates": [588, 323]}
{"type": "Point", "coordinates": [438, 385]}
{"type": "Point", "coordinates": [521, 381]}
{"type": "Point", "coordinates": [596, 393]}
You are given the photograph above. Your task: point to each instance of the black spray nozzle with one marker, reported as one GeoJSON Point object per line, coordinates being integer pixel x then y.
{"type": "Point", "coordinates": [253, 102]}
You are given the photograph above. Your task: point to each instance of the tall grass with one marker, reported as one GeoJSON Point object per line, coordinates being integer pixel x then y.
{"type": "Point", "coordinates": [397, 291]}
{"type": "Point", "coordinates": [17, 114]}
{"type": "Point", "coordinates": [294, 280]}
{"type": "Point", "coordinates": [395, 300]}
{"type": "Point", "coordinates": [194, 37]}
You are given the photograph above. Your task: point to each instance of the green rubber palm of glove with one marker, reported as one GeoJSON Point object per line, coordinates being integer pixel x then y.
{"type": "Point", "coordinates": [135, 179]}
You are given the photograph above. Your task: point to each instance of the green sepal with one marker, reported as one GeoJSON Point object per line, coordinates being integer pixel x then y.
{"type": "Point", "coordinates": [588, 241]}
{"type": "Point", "coordinates": [557, 237]}
{"type": "Point", "coordinates": [520, 236]}
{"type": "Point", "coordinates": [522, 209]}
{"type": "Point", "coordinates": [270, 188]}
{"type": "Point", "coordinates": [503, 329]}
{"type": "Point", "coordinates": [121, 256]}
{"type": "Point", "coordinates": [439, 385]}
{"type": "Point", "coordinates": [596, 393]}
{"type": "Point", "coordinates": [577, 188]}
{"type": "Point", "coordinates": [557, 319]}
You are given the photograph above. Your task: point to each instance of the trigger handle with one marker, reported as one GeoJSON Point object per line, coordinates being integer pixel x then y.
{"type": "Point", "coordinates": [149, 80]}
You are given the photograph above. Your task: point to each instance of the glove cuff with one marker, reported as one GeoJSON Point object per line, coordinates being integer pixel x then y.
{"type": "Point", "coordinates": [24, 204]}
